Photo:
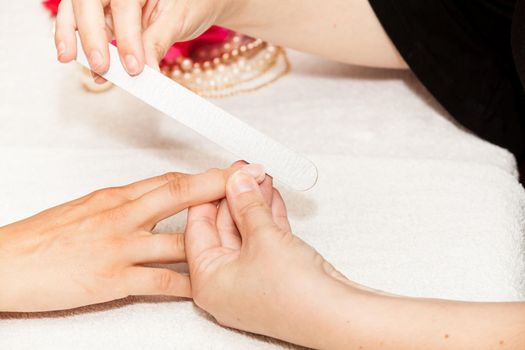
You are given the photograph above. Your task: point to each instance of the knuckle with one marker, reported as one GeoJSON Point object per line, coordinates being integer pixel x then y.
{"type": "Point", "coordinates": [107, 194]}
{"type": "Point", "coordinates": [159, 48]}
{"type": "Point", "coordinates": [177, 244]}
{"type": "Point", "coordinates": [163, 280]}
{"type": "Point", "coordinates": [116, 243]}
{"type": "Point", "coordinates": [251, 208]}
{"type": "Point", "coordinates": [112, 195]}
{"type": "Point", "coordinates": [171, 176]}
{"type": "Point", "coordinates": [179, 188]}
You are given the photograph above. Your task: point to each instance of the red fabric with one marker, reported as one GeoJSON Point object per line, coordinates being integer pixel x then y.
{"type": "Point", "coordinates": [211, 36]}
{"type": "Point", "coordinates": [52, 5]}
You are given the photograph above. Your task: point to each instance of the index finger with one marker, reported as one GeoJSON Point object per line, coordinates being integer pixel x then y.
{"type": "Point", "coordinates": [91, 26]}
{"type": "Point", "coordinates": [182, 193]}
{"type": "Point", "coordinates": [128, 30]}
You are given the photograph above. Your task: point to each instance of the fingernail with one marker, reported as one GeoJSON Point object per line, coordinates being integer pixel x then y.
{"type": "Point", "coordinates": [100, 80]}
{"type": "Point", "coordinates": [95, 60]}
{"type": "Point", "coordinates": [61, 49]}
{"type": "Point", "coordinates": [242, 182]}
{"type": "Point", "coordinates": [132, 65]}
{"type": "Point", "coordinates": [254, 170]}
{"type": "Point", "coordinates": [97, 78]}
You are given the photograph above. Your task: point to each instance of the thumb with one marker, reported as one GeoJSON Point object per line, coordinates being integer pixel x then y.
{"type": "Point", "coordinates": [157, 39]}
{"type": "Point", "coordinates": [250, 212]}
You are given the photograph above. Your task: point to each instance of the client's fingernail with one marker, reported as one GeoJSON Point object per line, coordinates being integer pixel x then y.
{"type": "Point", "coordinates": [132, 65]}
{"type": "Point", "coordinates": [61, 49]}
{"type": "Point", "coordinates": [242, 182]}
{"type": "Point", "coordinates": [255, 170]}
{"type": "Point", "coordinates": [95, 60]}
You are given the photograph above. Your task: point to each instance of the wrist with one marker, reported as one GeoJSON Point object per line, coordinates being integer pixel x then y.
{"type": "Point", "coordinates": [321, 316]}
{"type": "Point", "coordinates": [351, 316]}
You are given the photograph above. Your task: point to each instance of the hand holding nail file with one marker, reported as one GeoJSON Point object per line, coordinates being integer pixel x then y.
{"type": "Point", "coordinates": [212, 122]}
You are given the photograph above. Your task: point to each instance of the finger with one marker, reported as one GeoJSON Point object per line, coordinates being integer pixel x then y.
{"type": "Point", "coordinates": [91, 26]}
{"type": "Point", "coordinates": [106, 197]}
{"type": "Point", "coordinates": [267, 190]}
{"type": "Point", "coordinates": [201, 231]}
{"type": "Point", "coordinates": [65, 39]}
{"type": "Point", "coordinates": [158, 38]}
{"type": "Point", "coordinates": [156, 281]}
{"type": "Point", "coordinates": [228, 232]}
{"type": "Point", "coordinates": [162, 248]}
{"type": "Point", "coordinates": [247, 205]}
{"type": "Point", "coordinates": [182, 193]}
{"type": "Point", "coordinates": [109, 198]}
{"type": "Point", "coordinates": [279, 212]}
{"type": "Point", "coordinates": [139, 188]}
{"type": "Point", "coordinates": [128, 31]}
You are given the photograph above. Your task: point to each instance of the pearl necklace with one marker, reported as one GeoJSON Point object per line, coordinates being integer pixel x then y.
{"type": "Point", "coordinates": [240, 65]}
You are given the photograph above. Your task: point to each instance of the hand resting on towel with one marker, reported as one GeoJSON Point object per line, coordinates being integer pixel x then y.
{"type": "Point", "coordinates": [252, 273]}
{"type": "Point", "coordinates": [92, 250]}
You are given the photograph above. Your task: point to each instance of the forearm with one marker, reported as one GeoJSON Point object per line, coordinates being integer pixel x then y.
{"type": "Point", "coordinates": [343, 30]}
{"type": "Point", "coordinates": [370, 321]}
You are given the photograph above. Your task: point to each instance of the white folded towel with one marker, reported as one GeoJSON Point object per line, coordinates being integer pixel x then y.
{"type": "Point", "coordinates": [407, 201]}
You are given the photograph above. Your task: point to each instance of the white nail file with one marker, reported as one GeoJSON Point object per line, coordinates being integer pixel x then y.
{"type": "Point", "coordinates": [212, 122]}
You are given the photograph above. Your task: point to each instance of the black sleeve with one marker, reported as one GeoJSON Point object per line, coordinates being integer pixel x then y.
{"type": "Point", "coordinates": [461, 52]}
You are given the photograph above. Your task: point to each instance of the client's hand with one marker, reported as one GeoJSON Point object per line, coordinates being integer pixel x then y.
{"type": "Point", "coordinates": [251, 272]}
{"type": "Point", "coordinates": [92, 250]}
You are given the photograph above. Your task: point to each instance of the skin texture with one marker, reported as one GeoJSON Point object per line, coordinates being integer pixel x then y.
{"type": "Point", "coordinates": [247, 268]}
{"type": "Point", "coordinates": [252, 273]}
{"type": "Point", "coordinates": [343, 30]}
{"type": "Point", "coordinates": [93, 249]}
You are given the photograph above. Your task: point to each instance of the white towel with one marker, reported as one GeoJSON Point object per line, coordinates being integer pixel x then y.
{"type": "Point", "coordinates": [407, 201]}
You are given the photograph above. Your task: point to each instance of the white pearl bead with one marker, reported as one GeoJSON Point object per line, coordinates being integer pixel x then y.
{"type": "Point", "coordinates": [187, 64]}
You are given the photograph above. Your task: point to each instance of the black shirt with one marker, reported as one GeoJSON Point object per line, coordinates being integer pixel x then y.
{"type": "Point", "coordinates": [462, 51]}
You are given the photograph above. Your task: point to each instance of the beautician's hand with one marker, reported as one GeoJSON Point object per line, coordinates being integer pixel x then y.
{"type": "Point", "coordinates": [144, 29]}
{"type": "Point", "coordinates": [92, 250]}
{"type": "Point", "coordinates": [251, 272]}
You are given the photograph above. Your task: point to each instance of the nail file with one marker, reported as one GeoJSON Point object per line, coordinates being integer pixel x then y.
{"type": "Point", "coordinates": [212, 122]}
